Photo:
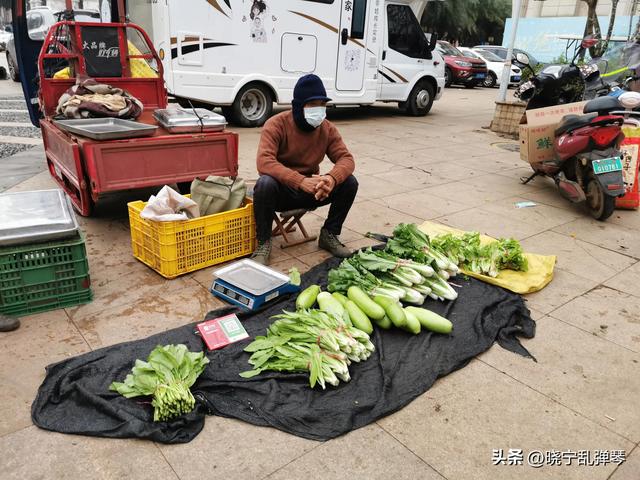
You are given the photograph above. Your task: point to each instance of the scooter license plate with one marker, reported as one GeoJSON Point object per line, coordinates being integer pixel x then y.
{"type": "Point", "coordinates": [607, 165]}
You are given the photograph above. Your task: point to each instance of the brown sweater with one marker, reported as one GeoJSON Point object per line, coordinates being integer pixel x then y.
{"type": "Point", "coordinates": [288, 154]}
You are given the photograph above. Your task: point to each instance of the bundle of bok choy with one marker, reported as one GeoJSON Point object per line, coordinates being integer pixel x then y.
{"type": "Point", "coordinates": [309, 340]}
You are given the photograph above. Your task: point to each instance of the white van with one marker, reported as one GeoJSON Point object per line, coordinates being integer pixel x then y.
{"type": "Point", "coordinates": [244, 55]}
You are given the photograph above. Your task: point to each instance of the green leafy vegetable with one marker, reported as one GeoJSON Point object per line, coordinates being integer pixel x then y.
{"type": "Point", "coordinates": [167, 375]}
{"type": "Point", "coordinates": [309, 341]}
{"type": "Point", "coordinates": [487, 259]}
{"type": "Point", "coordinates": [294, 276]}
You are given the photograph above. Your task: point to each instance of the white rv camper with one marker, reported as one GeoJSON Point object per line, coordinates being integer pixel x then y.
{"type": "Point", "coordinates": [245, 55]}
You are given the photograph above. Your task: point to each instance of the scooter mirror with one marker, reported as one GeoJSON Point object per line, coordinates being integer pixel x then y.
{"type": "Point", "coordinates": [630, 100]}
{"type": "Point", "coordinates": [522, 58]}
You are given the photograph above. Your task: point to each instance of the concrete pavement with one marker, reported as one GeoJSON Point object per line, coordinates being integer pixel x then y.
{"type": "Point", "coordinates": [580, 395]}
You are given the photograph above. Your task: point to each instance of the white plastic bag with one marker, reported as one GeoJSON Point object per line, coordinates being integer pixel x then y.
{"type": "Point", "coordinates": [170, 206]}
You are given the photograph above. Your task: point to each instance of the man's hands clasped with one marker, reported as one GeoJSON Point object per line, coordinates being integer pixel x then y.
{"type": "Point", "coordinates": [320, 186]}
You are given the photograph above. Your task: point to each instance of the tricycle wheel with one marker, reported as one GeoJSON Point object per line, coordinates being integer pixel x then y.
{"type": "Point", "coordinates": [600, 205]}
{"type": "Point", "coordinates": [253, 105]}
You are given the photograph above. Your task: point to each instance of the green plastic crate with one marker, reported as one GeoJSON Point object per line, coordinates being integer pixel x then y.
{"type": "Point", "coordinates": [44, 276]}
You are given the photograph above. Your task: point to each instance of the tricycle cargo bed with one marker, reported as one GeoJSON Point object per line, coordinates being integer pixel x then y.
{"type": "Point", "coordinates": [109, 166]}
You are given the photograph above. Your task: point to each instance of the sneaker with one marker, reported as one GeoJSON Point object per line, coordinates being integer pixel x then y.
{"type": "Point", "coordinates": [8, 324]}
{"type": "Point", "coordinates": [262, 253]}
{"type": "Point", "coordinates": [331, 243]}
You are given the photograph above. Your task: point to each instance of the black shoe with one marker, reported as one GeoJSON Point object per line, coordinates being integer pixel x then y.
{"type": "Point", "coordinates": [332, 244]}
{"type": "Point", "coordinates": [8, 324]}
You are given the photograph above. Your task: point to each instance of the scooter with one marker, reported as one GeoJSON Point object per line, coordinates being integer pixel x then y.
{"type": "Point", "coordinates": [587, 165]}
{"type": "Point", "coordinates": [556, 84]}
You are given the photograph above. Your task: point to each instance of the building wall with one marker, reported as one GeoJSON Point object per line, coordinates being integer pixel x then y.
{"type": "Point", "coordinates": [540, 35]}
{"type": "Point", "coordinates": [571, 8]}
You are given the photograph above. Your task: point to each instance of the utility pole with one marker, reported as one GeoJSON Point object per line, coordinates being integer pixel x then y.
{"type": "Point", "coordinates": [506, 71]}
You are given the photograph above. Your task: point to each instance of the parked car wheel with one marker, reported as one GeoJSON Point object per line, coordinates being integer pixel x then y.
{"type": "Point", "coordinates": [420, 100]}
{"type": "Point", "coordinates": [253, 105]}
{"type": "Point", "coordinates": [448, 77]}
{"type": "Point", "coordinates": [490, 80]}
{"type": "Point", "coordinates": [13, 69]}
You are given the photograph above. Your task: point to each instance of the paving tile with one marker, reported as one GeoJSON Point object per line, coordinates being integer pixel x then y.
{"type": "Point", "coordinates": [41, 340]}
{"type": "Point", "coordinates": [413, 178]}
{"type": "Point", "coordinates": [231, 449]}
{"type": "Point", "coordinates": [457, 424]}
{"type": "Point", "coordinates": [470, 195]}
{"type": "Point", "coordinates": [606, 235]}
{"type": "Point", "coordinates": [626, 218]}
{"type": "Point", "coordinates": [566, 371]}
{"type": "Point", "coordinates": [368, 452]}
{"type": "Point", "coordinates": [578, 257]}
{"type": "Point", "coordinates": [508, 184]}
{"type": "Point", "coordinates": [607, 313]}
{"type": "Point", "coordinates": [423, 204]}
{"type": "Point", "coordinates": [627, 281]}
{"type": "Point", "coordinates": [116, 288]}
{"type": "Point", "coordinates": [630, 468]}
{"type": "Point", "coordinates": [546, 193]}
{"type": "Point", "coordinates": [186, 302]}
{"type": "Point", "coordinates": [37, 454]}
{"type": "Point", "coordinates": [373, 187]}
{"type": "Point", "coordinates": [490, 163]}
{"type": "Point", "coordinates": [543, 216]}
{"type": "Point", "coordinates": [364, 242]}
{"type": "Point", "coordinates": [371, 166]}
{"type": "Point", "coordinates": [286, 265]}
{"type": "Point", "coordinates": [314, 258]}
{"type": "Point", "coordinates": [377, 218]}
{"type": "Point", "coordinates": [564, 287]}
{"type": "Point", "coordinates": [41, 181]}
{"type": "Point", "coordinates": [415, 158]}
{"type": "Point", "coordinates": [491, 223]}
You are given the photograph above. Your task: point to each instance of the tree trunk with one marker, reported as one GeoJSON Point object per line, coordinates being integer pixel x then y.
{"type": "Point", "coordinates": [612, 19]}
{"type": "Point", "coordinates": [593, 26]}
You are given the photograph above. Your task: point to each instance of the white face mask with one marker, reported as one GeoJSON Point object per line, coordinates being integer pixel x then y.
{"type": "Point", "coordinates": [315, 115]}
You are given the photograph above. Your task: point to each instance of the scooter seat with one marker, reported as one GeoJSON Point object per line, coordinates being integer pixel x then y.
{"type": "Point", "coordinates": [602, 105]}
{"type": "Point", "coordinates": [571, 122]}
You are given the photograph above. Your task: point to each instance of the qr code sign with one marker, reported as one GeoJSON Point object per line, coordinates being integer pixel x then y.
{"type": "Point", "coordinates": [231, 326]}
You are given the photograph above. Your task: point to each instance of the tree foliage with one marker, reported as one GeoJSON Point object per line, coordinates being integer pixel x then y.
{"type": "Point", "coordinates": [467, 21]}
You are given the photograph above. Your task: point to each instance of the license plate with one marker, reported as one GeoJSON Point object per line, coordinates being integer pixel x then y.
{"type": "Point", "coordinates": [607, 165]}
{"type": "Point", "coordinates": [480, 75]}
{"type": "Point", "coordinates": [515, 79]}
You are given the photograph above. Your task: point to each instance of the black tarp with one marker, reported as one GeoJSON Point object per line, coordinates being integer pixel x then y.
{"type": "Point", "coordinates": [75, 396]}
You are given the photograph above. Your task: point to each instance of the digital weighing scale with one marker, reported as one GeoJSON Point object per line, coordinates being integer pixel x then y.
{"type": "Point", "coordinates": [250, 285]}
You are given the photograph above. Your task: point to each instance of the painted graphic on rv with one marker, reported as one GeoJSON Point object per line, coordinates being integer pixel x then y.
{"type": "Point", "coordinates": [216, 5]}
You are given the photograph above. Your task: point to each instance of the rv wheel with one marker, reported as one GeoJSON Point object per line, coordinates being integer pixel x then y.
{"type": "Point", "coordinates": [253, 106]}
{"type": "Point", "coordinates": [420, 100]}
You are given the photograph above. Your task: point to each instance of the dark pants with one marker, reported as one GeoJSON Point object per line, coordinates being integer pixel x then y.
{"type": "Point", "coordinates": [270, 196]}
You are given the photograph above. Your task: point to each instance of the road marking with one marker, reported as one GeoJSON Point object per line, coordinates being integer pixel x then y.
{"type": "Point", "coordinates": [20, 140]}
{"type": "Point", "coordinates": [12, 110]}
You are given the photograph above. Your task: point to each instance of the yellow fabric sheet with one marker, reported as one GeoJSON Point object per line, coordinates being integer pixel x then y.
{"type": "Point", "coordinates": [538, 276]}
{"type": "Point", "coordinates": [139, 67]}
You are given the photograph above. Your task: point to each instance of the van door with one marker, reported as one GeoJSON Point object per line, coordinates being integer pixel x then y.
{"type": "Point", "coordinates": [405, 53]}
{"type": "Point", "coordinates": [351, 45]}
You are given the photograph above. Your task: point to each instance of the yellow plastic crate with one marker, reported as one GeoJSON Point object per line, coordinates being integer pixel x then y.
{"type": "Point", "coordinates": [176, 248]}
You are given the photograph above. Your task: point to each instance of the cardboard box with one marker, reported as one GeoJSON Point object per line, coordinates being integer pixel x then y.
{"type": "Point", "coordinates": [537, 134]}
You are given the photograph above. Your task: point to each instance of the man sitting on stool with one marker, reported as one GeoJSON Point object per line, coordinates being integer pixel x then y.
{"type": "Point", "coordinates": [292, 146]}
